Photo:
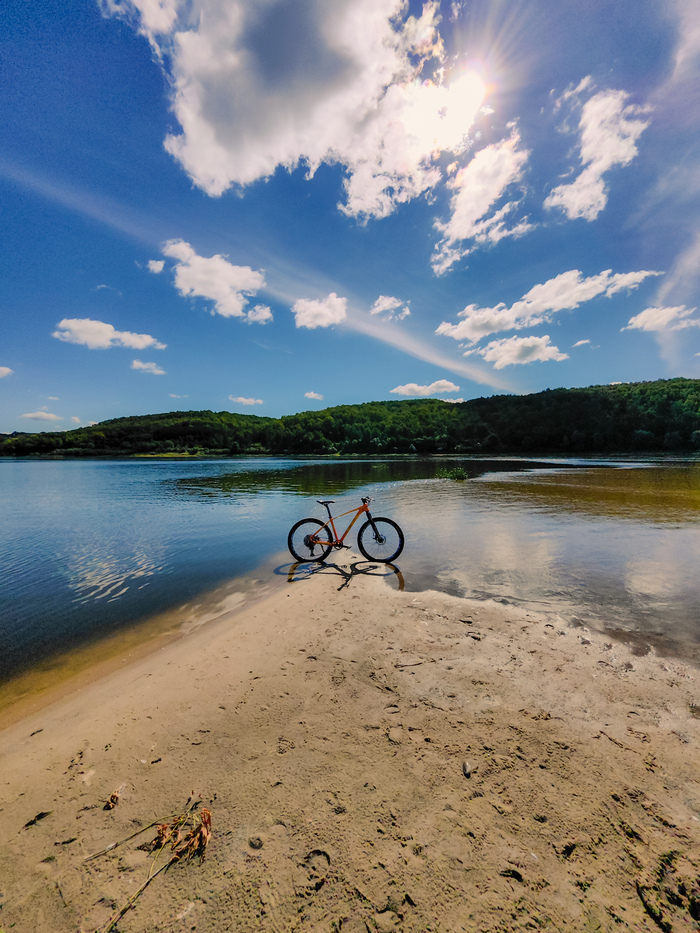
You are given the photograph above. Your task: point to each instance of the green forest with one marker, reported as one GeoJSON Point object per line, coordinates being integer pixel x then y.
{"type": "Point", "coordinates": [661, 416]}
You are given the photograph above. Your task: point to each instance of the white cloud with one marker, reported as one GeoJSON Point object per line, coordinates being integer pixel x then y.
{"type": "Point", "coordinates": [152, 368]}
{"type": "Point", "coordinates": [155, 16]}
{"type": "Point", "coordinates": [172, 395]}
{"type": "Point", "coordinates": [585, 84]}
{"type": "Point", "coordinates": [421, 349]}
{"type": "Point", "coordinates": [478, 187]}
{"type": "Point", "coordinates": [581, 343]}
{"type": "Point", "coordinates": [241, 400]}
{"type": "Point", "coordinates": [213, 278]}
{"type": "Point", "coordinates": [688, 51]}
{"type": "Point", "coordinates": [257, 85]}
{"type": "Point", "coordinates": [385, 303]}
{"type": "Point", "coordinates": [315, 395]}
{"type": "Point", "coordinates": [564, 292]}
{"type": "Point", "coordinates": [609, 128]}
{"type": "Point", "coordinates": [5, 371]}
{"type": "Point", "coordinates": [52, 398]}
{"type": "Point", "coordinates": [663, 319]}
{"type": "Point", "coordinates": [686, 57]}
{"type": "Point", "coordinates": [435, 388]}
{"type": "Point", "coordinates": [42, 416]}
{"type": "Point", "coordinates": [96, 335]}
{"type": "Point", "coordinates": [260, 314]}
{"type": "Point", "coordinates": [681, 281]}
{"type": "Point", "coordinates": [75, 419]}
{"type": "Point", "coordinates": [388, 306]}
{"type": "Point", "coordinates": [392, 161]}
{"type": "Point", "coordinates": [512, 350]}
{"type": "Point", "coordinates": [321, 312]}
{"type": "Point", "coordinates": [156, 265]}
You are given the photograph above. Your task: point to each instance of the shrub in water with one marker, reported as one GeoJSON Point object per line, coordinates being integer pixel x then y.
{"type": "Point", "coordinates": [454, 473]}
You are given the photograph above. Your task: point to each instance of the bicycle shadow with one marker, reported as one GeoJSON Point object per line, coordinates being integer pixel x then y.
{"type": "Point", "coordinates": [304, 570]}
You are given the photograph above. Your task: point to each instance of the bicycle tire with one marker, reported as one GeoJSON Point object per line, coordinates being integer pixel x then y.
{"type": "Point", "coordinates": [384, 548]}
{"type": "Point", "coordinates": [301, 548]}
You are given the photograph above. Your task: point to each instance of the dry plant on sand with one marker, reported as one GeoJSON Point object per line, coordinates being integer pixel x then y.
{"type": "Point", "coordinates": [185, 834]}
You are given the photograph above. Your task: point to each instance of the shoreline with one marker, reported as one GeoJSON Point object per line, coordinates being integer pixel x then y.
{"type": "Point", "coordinates": [374, 759]}
{"type": "Point", "coordinates": [60, 675]}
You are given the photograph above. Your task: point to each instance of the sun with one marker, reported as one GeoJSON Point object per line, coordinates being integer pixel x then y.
{"type": "Point", "coordinates": [437, 117]}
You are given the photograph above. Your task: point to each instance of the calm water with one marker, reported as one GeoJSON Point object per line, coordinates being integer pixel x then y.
{"type": "Point", "coordinates": [91, 546]}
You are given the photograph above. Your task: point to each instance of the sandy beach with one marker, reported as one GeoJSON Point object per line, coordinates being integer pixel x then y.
{"type": "Point", "coordinates": [372, 760]}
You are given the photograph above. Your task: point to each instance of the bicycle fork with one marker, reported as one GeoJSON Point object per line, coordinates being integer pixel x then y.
{"type": "Point", "coordinates": [378, 537]}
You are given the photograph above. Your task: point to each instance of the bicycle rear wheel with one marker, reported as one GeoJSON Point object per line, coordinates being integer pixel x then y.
{"type": "Point", "coordinates": [380, 539]}
{"type": "Point", "coordinates": [303, 540]}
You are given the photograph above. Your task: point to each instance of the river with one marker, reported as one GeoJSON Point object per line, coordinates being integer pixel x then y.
{"type": "Point", "coordinates": [90, 548]}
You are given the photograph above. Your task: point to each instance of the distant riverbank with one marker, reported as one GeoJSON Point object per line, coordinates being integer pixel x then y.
{"type": "Point", "coordinates": [661, 416]}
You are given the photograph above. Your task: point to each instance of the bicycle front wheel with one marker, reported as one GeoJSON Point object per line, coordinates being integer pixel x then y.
{"type": "Point", "coordinates": [309, 540]}
{"type": "Point", "coordinates": [380, 539]}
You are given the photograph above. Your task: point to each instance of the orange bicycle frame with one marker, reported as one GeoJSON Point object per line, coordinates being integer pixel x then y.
{"type": "Point", "coordinates": [363, 509]}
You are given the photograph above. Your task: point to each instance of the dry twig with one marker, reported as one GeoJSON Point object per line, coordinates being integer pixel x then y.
{"type": "Point", "coordinates": [187, 834]}
{"type": "Point", "coordinates": [113, 798]}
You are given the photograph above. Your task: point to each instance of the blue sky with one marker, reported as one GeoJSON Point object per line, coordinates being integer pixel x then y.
{"type": "Point", "coordinates": [269, 206]}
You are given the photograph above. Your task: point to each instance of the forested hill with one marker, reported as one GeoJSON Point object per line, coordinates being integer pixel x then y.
{"type": "Point", "coordinates": [643, 416]}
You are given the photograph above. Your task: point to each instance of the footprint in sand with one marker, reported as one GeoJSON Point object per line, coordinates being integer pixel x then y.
{"type": "Point", "coordinates": [317, 864]}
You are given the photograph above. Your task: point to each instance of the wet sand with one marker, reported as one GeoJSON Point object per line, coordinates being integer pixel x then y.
{"type": "Point", "coordinates": [372, 760]}
{"type": "Point", "coordinates": [62, 674]}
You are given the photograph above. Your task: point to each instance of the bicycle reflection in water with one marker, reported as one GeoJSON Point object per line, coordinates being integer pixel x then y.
{"type": "Point", "coordinates": [303, 570]}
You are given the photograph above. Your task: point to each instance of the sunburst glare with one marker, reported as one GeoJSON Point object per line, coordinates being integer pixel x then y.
{"type": "Point", "coordinates": [438, 117]}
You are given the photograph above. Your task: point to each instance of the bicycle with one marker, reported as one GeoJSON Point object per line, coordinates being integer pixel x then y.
{"type": "Point", "coordinates": [379, 539]}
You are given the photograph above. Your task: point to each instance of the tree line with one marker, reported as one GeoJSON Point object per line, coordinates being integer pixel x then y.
{"type": "Point", "coordinates": [631, 417]}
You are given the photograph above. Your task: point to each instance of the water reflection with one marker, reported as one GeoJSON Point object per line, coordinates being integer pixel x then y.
{"type": "Point", "coordinates": [301, 571]}
{"type": "Point", "coordinates": [616, 549]}
{"type": "Point", "coordinates": [650, 493]}
{"type": "Point", "coordinates": [89, 547]}
{"type": "Point", "coordinates": [331, 477]}
{"type": "Point", "coordinates": [94, 572]}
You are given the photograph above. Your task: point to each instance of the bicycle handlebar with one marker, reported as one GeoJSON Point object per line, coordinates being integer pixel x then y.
{"type": "Point", "coordinates": [366, 499]}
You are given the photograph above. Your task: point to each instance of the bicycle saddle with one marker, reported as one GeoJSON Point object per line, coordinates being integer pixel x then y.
{"type": "Point", "coordinates": [325, 501]}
